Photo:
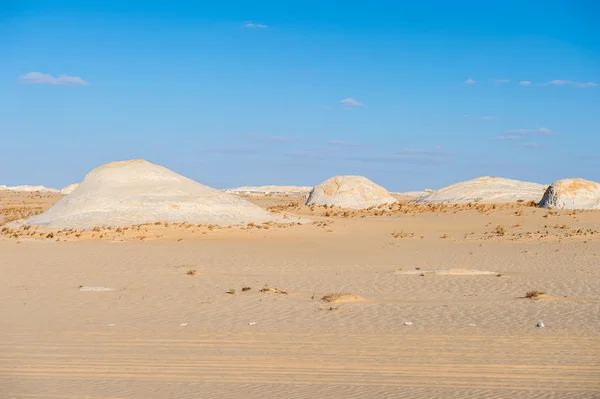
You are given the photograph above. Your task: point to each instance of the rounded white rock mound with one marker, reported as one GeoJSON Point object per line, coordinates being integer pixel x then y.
{"type": "Point", "coordinates": [355, 192]}
{"type": "Point", "coordinates": [572, 194]}
{"type": "Point", "coordinates": [487, 190]}
{"type": "Point", "coordinates": [69, 189]}
{"type": "Point", "coordinates": [136, 192]}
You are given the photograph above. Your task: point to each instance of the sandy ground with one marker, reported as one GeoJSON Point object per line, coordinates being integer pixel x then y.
{"type": "Point", "coordinates": [177, 322]}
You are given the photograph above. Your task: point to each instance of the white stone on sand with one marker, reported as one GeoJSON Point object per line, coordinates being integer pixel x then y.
{"type": "Point", "coordinates": [69, 189]}
{"type": "Point", "coordinates": [262, 190]}
{"type": "Point", "coordinates": [40, 189]}
{"type": "Point", "coordinates": [572, 194]}
{"type": "Point", "coordinates": [487, 190]}
{"type": "Point", "coordinates": [355, 192]}
{"type": "Point", "coordinates": [135, 192]}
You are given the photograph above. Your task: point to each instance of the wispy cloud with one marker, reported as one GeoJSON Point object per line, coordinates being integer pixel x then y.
{"type": "Point", "coordinates": [507, 137]}
{"type": "Point", "coordinates": [470, 81]}
{"type": "Point", "coordinates": [250, 24]}
{"type": "Point", "coordinates": [501, 81]}
{"type": "Point", "coordinates": [531, 145]}
{"type": "Point", "coordinates": [232, 150]}
{"type": "Point", "coordinates": [586, 84]}
{"type": "Point", "coordinates": [556, 82]}
{"type": "Point", "coordinates": [341, 143]}
{"type": "Point", "coordinates": [525, 83]}
{"type": "Point", "coordinates": [407, 155]}
{"type": "Point", "coordinates": [352, 102]}
{"type": "Point", "coordinates": [541, 131]}
{"type": "Point", "coordinates": [263, 138]}
{"type": "Point", "coordinates": [43, 78]}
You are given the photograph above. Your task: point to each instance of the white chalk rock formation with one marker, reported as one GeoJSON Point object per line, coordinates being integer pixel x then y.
{"type": "Point", "coordinates": [487, 190]}
{"type": "Point", "coordinates": [136, 192]}
{"type": "Point", "coordinates": [263, 190]}
{"type": "Point", "coordinates": [572, 194]}
{"type": "Point", "coordinates": [40, 189]}
{"type": "Point", "coordinates": [412, 195]}
{"type": "Point", "coordinates": [355, 192]}
{"type": "Point", "coordinates": [69, 189]}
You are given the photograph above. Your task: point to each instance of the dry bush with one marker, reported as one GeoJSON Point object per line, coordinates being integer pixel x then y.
{"type": "Point", "coordinates": [534, 294]}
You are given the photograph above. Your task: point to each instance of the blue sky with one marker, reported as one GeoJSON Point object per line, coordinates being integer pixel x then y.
{"type": "Point", "coordinates": [269, 92]}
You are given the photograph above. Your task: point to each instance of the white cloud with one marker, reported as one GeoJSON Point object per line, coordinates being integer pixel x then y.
{"type": "Point", "coordinates": [250, 24]}
{"type": "Point", "coordinates": [557, 82]}
{"type": "Point", "coordinates": [500, 81]}
{"type": "Point", "coordinates": [586, 84]}
{"type": "Point", "coordinates": [43, 78]}
{"type": "Point", "coordinates": [260, 137]}
{"type": "Point", "coordinates": [341, 143]}
{"type": "Point", "coordinates": [531, 145]}
{"type": "Point", "coordinates": [352, 102]}
{"type": "Point", "coordinates": [542, 131]}
{"type": "Point", "coordinates": [525, 83]}
{"type": "Point", "coordinates": [508, 137]}
{"type": "Point", "coordinates": [470, 81]}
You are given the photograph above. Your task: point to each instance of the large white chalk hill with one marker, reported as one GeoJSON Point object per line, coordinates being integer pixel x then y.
{"type": "Point", "coordinates": [572, 194]}
{"type": "Point", "coordinates": [135, 192]}
{"type": "Point", "coordinates": [487, 190]}
{"type": "Point", "coordinates": [355, 192]}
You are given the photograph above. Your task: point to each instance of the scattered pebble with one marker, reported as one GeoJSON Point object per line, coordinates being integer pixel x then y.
{"type": "Point", "coordinates": [82, 288]}
{"type": "Point", "coordinates": [473, 325]}
{"type": "Point", "coordinates": [251, 323]}
{"type": "Point", "coordinates": [183, 324]}
{"type": "Point", "coordinates": [540, 325]}
{"type": "Point", "coordinates": [408, 323]}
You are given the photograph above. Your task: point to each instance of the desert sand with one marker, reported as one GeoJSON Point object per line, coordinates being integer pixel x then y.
{"type": "Point", "coordinates": [407, 300]}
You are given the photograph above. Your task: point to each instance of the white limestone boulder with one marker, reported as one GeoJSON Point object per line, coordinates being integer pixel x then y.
{"type": "Point", "coordinates": [355, 192]}
{"type": "Point", "coordinates": [69, 189]}
{"type": "Point", "coordinates": [572, 194]}
{"type": "Point", "coordinates": [487, 190]}
{"type": "Point", "coordinates": [135, 192]}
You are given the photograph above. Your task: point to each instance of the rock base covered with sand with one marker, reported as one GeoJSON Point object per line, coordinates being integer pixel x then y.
{"type": "Point", "coordinates": [355, 192]}
{"type": "Point", "coordinates": [69, 189]}
{"type": "Point", "coordinates": [572, 194]}
{"type": "Point", "coordinates": [265, 190]}
{"type": "Point", "coordinates": [487, 190]}
{"type": "Point", "coordinates": [136, 192]}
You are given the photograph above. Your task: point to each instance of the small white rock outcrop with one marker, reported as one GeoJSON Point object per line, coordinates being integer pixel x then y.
{"type": "Point", "coordinates": [135, 192]}
{"type": "Point", "coordinates": [264, 190]}
{"type": "Point", "coordinates": [355, 192]}
{"type": "Point", "coordinates": [572, 194]}
{"type": "Point", "coordinates": [40, 189]}
{"type": "Point", "coordinates": [487, 190]}
{"type": "Point", "coordinates": [69, 189]}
